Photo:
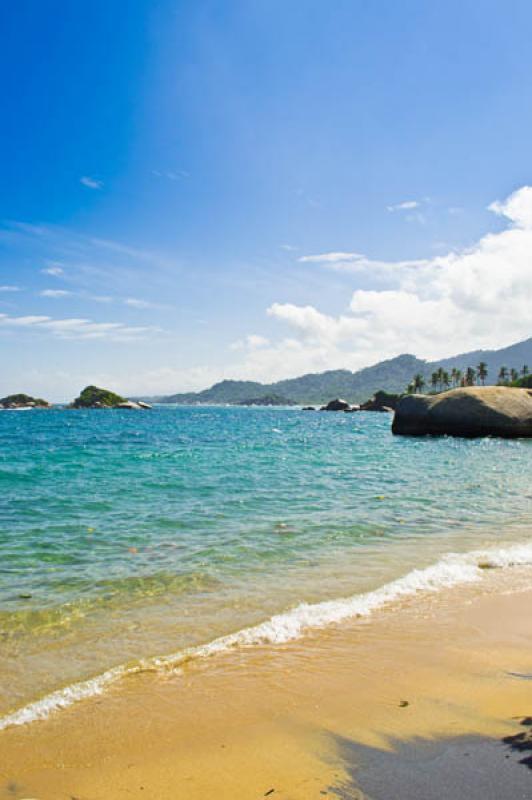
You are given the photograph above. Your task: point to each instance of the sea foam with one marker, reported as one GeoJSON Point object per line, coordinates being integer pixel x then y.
{"type": "Point", "coordinates": [452, 569]}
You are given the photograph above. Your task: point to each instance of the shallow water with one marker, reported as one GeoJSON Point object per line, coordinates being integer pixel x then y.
{"type": "Point", "coordinates": [125, 535]}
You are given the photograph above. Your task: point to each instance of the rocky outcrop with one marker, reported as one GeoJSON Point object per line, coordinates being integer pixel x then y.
{"type": "Point", "coordinates": [336, 405]}
{"type": "Point", "coordinates": [471, 411]}
{"type": "Point", "coordinates": [21, 400]}
{"type": "Point", "coordinates": [94, 397]}
{"type": "Point", "coordinates": [381, 401]}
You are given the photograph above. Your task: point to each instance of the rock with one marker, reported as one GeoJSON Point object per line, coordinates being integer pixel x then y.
{"type": "Point", "coordinates": [309, 408]}
{"type": "Point", "coordinates": [470, 411]}
{"type": "Point", "coordinates": [129, 404]}
{"type": "Point", "coordinates": [351, 409]}
{"type": "Point", "coordinates": [142, 404]}
{"type": "Point", "coordinates": [381, 401]}
{"type": "Point", "coordinates": [336, 405]}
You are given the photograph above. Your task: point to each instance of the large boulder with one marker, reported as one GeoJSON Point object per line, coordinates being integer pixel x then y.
{"type": "Point", "coordinates": [471, 411]}
{"type": "Point", "coordinates": [336, 405]}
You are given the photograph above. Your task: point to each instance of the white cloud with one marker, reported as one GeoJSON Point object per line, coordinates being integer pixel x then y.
{"type": "Point", "coordinates": [91, 183]}
{"type": "Point", "coordinates": [330, 258]}
{"type": "Point", "coordinates": [54, 293]}
{"type": "Point", "coordinates": [288, 247]}
{"type": "Point", "coordinates": [134, 302]}
{"type": "Point", "coordinates": [406, 205]}
{"type": "Point", "coordinates": [10, 289]}
{"type": "Point", "coordinates": [251, 342]}
{"type": "Point", "coordinates": [475, 298]}
{"type": "Point", "coordinates": [54, 269]}
{"type": "Point", "coordinates": [76, 328]}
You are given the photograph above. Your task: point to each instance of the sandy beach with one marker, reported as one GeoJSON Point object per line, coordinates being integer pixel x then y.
{"type": "Point", "coordinates": [413, 702]}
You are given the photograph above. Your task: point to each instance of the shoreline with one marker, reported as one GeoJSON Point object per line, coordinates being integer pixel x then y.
{"type": "Point", "coordinates": [297, 622]}
{"type": "Point", "coordinates": [437, 667]}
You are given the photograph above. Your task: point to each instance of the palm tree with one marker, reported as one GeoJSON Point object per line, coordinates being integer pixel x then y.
{"type": "Point", "coordinates": [482, 372]}
{"type": "Point", "coordinates": [440, 377]}
{"type": "Point", "coordinates": [458, 376]}
{"type": "Point", "coordinates": [445, 379]}
{"type": "Point", "coordinates": [434, 379]}
{"type": "Point", "coordinates": [524, 370]}
{"type": "Point", "coordinates": [503, 375]}
{"type": "Point", "coordinates": [514, 375]}
{"type": "Point", "coordinates": [470, 376]}
{"type": "Point", "coordinates": [419, 382]}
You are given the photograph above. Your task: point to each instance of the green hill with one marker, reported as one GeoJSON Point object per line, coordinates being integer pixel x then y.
{"type": "Point", "coordinates": [392, 375]}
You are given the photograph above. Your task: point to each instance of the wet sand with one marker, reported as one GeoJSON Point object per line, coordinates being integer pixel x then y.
{"type": "Point", "coordinates": [385, 708]}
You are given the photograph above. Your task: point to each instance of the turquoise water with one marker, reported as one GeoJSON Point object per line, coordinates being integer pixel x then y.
{"type": "Point", "coordinates": [126, 534]}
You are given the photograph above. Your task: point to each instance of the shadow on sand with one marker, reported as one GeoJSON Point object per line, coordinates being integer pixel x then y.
{"type": "Point", "coordinates": [462, 768]}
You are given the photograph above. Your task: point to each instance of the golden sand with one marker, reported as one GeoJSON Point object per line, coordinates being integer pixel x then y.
{"type": "Point", "coordinates": [243, 723]}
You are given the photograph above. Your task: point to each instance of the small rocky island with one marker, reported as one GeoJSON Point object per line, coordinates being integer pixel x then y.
{"type": "Point", "coordinates": [469, 411]}
{"type": "Point", "coordinates": [18, 401]}
{"type": "Point", "coordinates": [94, 397]}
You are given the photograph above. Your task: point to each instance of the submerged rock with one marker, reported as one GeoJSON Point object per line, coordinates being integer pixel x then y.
{"type": "Point", "coordinates": [470, 411]}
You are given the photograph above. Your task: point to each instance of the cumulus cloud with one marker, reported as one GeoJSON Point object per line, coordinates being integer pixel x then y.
{"type": "Point", "coordinates": [10, 288]}
{"type": "Point", "coordinates": [91, 183]}
{"type": "Point", "coordinates": [75, 328]}
{"type": "Point", "coordinates": [478, 297]}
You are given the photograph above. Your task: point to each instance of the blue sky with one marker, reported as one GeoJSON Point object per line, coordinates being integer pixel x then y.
{"type": "Point", "coordinates": [198, 190]}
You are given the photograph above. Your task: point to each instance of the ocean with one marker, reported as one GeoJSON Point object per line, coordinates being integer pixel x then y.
{"type": "Point", "coordinates": [136, 540]}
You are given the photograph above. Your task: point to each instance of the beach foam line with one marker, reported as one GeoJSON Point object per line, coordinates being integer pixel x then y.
{"type": "Point", "coordinates": [452, 569]}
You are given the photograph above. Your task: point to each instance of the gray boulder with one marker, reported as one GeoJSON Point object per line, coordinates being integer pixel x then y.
{"type": "Point", "coordinates": [471, 411]}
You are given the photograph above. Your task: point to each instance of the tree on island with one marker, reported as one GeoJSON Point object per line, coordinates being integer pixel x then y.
{"type": "Point", "coordinates": [503, 375]}
{"type": "Point", "coordinates": [482, 372]}
{"type": "Point", "coordinates": [419, 382]}
{"type": "Point", "coordinates": [470, 376]}
{"type": "Point", "coordinates": [524, 370]}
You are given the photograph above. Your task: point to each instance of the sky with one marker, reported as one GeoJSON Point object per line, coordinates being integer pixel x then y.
{"type": "Point", "coordinates": [200, 190]}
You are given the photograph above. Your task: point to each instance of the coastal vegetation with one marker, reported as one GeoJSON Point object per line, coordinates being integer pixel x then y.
{"type": "Point", "coordinates": [94, 397]}
{"type": "Point", "coordinates": [268, 400]}
{"type": "Point", "coordinates": [22, 400]}
{"type": "Point", "coordinates": [441, 379]}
